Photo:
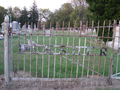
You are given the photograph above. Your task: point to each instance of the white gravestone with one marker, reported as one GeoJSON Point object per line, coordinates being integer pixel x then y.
{"type": "Point", "coordinates": [70, 29]}
{"type": "Point", "coordinates": [94, 30]}
{"type": "Point", "coordinates": [35, 27]}
{"type": "Point", "coordinates": [29, 27]}
{"type": "Point", "coordinates": [76, 31]}
{"type": "Point", "coordinates": [47, 32]}
{"type": "Point", "coordinates": [23, 27]}
{"type": "Point", "coordinates": [11, 25]}
{"type": "Point", "coordinates": [52, 28]}
{"type": "Point", "coordinates": [15, 26]}
{"type": "Point", "coordinates": [89, 29]}
{"type": "Point", "coordinates": [117, 41]}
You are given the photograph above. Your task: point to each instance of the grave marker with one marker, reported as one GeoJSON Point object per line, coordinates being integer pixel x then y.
{"type": "Point", "coordinates": [117, 35]}
{"type": "Point", "coordinates": [15, 26]}
{"type": "Point", "coordinates": [47, 32]}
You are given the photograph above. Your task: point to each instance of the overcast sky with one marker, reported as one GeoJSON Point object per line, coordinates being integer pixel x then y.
{"type": "Point", "coordinates": [51, 4]}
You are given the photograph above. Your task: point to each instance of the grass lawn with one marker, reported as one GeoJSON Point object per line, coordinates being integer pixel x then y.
{"type": "Point", "coordinates": [88, 59]}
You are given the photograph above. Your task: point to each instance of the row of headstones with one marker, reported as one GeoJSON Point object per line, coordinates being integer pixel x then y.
{"type": "Point", "coordinates": [29, 27]}
{"type": "Point", "coordinates": [88, 30]}
{"type": "Point", "coordinates": [13, 25]}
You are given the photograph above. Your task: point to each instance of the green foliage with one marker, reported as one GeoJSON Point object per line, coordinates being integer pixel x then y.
{"type": "Point", "coordinates": [24, 16]}
{"type": "Point", "coordinates": [104, 10]}
{"type": "Point", "coordinates": [3, 12]}
{"type": "Point", "coordinates": [33, 14]}
{"type": "Point", "coordinates": [11, 14]}
{"type": "Point", "coordinates": [63, 14]}
{"type": "Point", "coordinates": [47, 16]}
{"type": "Point", "coordinates": [16, 12]}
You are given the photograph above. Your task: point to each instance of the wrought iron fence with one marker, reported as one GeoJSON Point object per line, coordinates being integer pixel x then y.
{"type": "Point", "coordinates": [60, 55]}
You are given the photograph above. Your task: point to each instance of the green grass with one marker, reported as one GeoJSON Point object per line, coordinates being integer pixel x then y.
{"type": "Point", "coordinates": [106, 89]}
{"type": "Point", "coordinates": [57, 68]}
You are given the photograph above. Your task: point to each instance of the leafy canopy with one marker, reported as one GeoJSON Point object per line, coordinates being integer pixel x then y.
{"type": "Point", "coordinates": [104, 10]}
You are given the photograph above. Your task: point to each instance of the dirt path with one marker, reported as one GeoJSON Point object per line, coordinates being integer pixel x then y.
{"type": "Point", "coordinates": [25, 85]}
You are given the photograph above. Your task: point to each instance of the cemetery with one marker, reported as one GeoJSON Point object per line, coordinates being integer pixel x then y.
{"type": "Point", "coordinates": [48, 45]}
{"type": "Point", "coordinates": [74, 47]}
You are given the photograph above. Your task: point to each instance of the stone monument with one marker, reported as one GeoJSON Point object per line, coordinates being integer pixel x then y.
{"type": "Point", "coordinates": [117, 39]}
{"type": "Point", "coordinates": [15, 26]}
{"type": "Point", "coordinates": [23, 27]}
{"type": "Point", "coordinates": [89, 30]}
{"type": "Point", "coordinates": [10, 24]}
{"type": "Point", "coordinates": [29, 27]}
{"type": "Point", "coordinates": [47, 32]}
{"type": "Point", "coordinates": [94, 30]}
{"type": "Point", "coordinates": [35, 27]}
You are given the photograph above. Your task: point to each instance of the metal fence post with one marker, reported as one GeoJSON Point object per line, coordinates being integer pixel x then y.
{"type": "Point", "coordinates": [112, 54]}
{"type": "Point", "coordinates": [6, 49]}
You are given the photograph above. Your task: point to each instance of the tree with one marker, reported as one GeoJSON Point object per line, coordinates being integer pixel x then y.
{"type": "Point", "coordinates": [16, 12]}
{"type": "Point", "coordinates": [104, 10]}
{"type": "Point", "coordinates": [33, 13]}
{"type": "Point", "coordinates": [24, 16]}
{"type": "Point", "coordinates": [79, 6]}
{"type": "Point", "coordinates": [44, 15]}
{"type": "Point", "coordinates": [76, 16]}
{"type": "Point", "coordinates": [11, 14]}
{"type": "Point", "coordinates": [63, 14]}
{"type": "Point", "coordinates": [3, 12]}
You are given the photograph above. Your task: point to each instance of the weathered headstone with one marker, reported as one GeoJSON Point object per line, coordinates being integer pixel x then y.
{"type": "Point", "coordinates": [89, 29]}
{"type": "Point", "coordinates": [11, 25]}
{"type": "Point", "coordinates": [76, 31]}
{"type": "Point", "coordinates": [117, 41]}
{"type": "Point", "coordinates": [29, 27]}
{"type": "Point", "coordinates": [15, 26]}
{"type": "Point", "coordinates": [35, 27]}
{"type": "Point", "coordinates": [94, 30]}
{"type": "Point", "coordinates": [47, 32]}
{"type": "Point", "coordinates": [23, 27]}
{"type": "Point", "coordinates": [70, 29]}
{"type": "Point", "coordinates": [52, 28]}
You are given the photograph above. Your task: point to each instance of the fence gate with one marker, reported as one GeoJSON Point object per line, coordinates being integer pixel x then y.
{"type": "Point", "coordinates": [75, 54]}
{"type": "Point", "coordinates": [116, 61]}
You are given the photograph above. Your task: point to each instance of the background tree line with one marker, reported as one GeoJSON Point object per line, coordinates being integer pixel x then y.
{"type": "Point", "coordinates": [73, 11]}
{"type": "Point", "coordinates": [77, 10]}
